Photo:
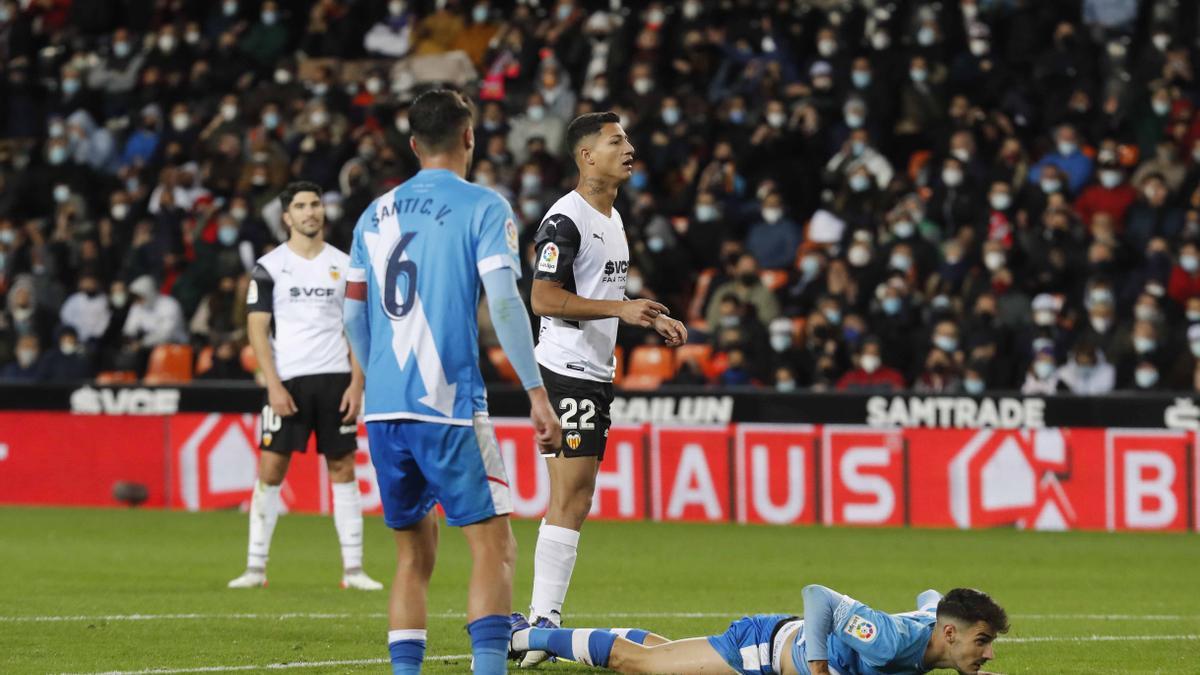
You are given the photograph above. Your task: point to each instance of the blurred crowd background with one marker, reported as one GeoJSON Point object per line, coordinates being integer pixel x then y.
{"type": "Point", "coordinates": [952, 196]}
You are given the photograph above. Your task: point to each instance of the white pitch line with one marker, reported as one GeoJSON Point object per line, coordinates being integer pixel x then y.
{"type": "Point", "coordinates": [269, 666]}
{"type": "Point", "coordinates": [459, 615]}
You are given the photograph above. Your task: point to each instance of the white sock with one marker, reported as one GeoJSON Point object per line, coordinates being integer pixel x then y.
{"type": "Point", "coordinates": [553, 562]}
{"type": "Point", "coordinates": [264, 511]}
{"type": "Point", "coordinates": [347, 518]}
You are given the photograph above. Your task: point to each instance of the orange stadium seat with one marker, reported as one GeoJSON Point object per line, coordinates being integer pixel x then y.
{"type": "Point", "coordinates": [499, 361]}
{"type": "Point", "coordinates": [619, 370]}
{"type": "Point", "coordinates": [651, 360]}
{"type": "Point", "coordinates": [249, 360]}
{"type": "Point", "coordinates": [700, 354]}
{"type": "Point", "coordinates": [169, 364]}
{"type": "Point", "coordinates": [116, 377]}
{"type": "Point", "coordinates": [642, 382]}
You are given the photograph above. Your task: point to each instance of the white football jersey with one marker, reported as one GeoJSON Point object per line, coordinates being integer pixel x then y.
{"type": "Point", "coordinates": [586, 252]}
{"type": "Point", "coordinates": [304, 298]}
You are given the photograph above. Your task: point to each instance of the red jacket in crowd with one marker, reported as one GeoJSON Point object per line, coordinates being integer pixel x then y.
{"type": "Point", "coordinates": [1183, 285]}
{"type": "Point", "coordinates": [883, 379]}
{"type": "Point", "coordinates": [1115, 202]}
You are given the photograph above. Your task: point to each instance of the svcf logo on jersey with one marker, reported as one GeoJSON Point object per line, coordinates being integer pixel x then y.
{"type": "Point", "coordinates": [861, 629]}
{"type": "Point", "coordinates": [616, 267]}
{"type": "Point", "coordinates": [334, 273]}
{"type": "Point", "coordinates": [573, 440]}
{"type": "Point", "coordinates": [311, 292]}
{"type": "Point", "coordinates": [511, 236]}
{"type": "Point", "coordinates": [549, 260]}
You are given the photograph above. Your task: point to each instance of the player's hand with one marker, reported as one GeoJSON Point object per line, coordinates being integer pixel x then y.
{"type": "Point", "coordinates": [641, 312]}
{"type": "Point", "coordinates": [671, 329]}
{"type": "Point", "coordinates": [281, 401]}
{"type": "Point", "coordinates": [351, 403]}
{"type": "Point", "coordinates": [546, 429]}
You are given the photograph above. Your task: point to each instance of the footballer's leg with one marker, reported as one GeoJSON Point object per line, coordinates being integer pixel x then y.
{"type": "Point", "coordinates": [609, 649]}
{"type": "Point", "coordinates": [416, 553]}
{"type": "Point", "coordinates": [264, 513]}
{"type": "Point", "coordinates": [348, 520]}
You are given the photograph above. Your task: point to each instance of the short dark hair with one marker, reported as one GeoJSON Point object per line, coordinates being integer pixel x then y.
{"type": "Point", "coordinates": [587, 125]}
{"type": "Point", "coordinates": [971, 606]}
{"type": "Point", "coordinates": [294, 188]}
{"type": "Point", "coordinates": [437, 118]}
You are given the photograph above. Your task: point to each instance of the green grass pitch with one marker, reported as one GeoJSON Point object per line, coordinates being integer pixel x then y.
{"type": "Point", "coordinates": [88, 591]}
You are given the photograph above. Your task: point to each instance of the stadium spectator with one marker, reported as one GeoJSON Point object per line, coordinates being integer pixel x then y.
{"type": "Point", "coordinates": [773, 241]}
{"type": "Point", "coordinates": [1184, 283]}
{"type": "Point", "coordinates": [27, 365]}
{"type": "Point", "coordinates": [870, 374]}
{"type": "Point", "coordinates": [86, 311]}
{"type": "Point", "coordinates": [67, 362]}
{"type": "Point", "coordinates": [1087, 372]}
{"type": "Point", "coordinates": [154, 318]}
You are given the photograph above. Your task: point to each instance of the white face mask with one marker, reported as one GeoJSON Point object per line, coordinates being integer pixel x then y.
{"type": "Point", "coordinates": [643, 85]}
{"type": "Point", "coordinates": [1144, 344]}
{"type": "Point", "coordinates": [530, 181]}
{"type": "Point", "coordinates": [945, 343]}
{"type": "Point", "coordinates": [1099, 324]}
{"type": "Point", "coordinates": [901, 262]}
{"type": "Point", "coordinates": [826, 48]}
{"type": "Point", "coordinates": [1043, 369]}
{"type": "Point", "coordinates": [1000, 201]}
{"type": "Point", "coordinates": [1189, 263]}
{"type": "Point", "coordinates": [1145, 313]}
{"type": "Point", "coordinates": [973, 386]}
{"type": "Point", "coordinates": [26, 357]}
{"type": "Point", "coordinates": [118, 299]}
{"type": "Point", "coordinates": [772, 215]}
{"type": "Point", "coordinates": [318, 118]}
{"type": "Point", "coordinates": [859, 183]}
{"type": "Point", "coordinates": [633, 285]}
{"type": "Point", "coordinates": [68, 348]}
{"type": "Point", "coordinates": [1195, 347]}
{"type": "Point", "coordinates": [994, 260]}
{"type": "Point", "coordinates": [706, 213]}
{"type": "Point", "coordinates": [903, 229]}
{"type": "Point", "coordinates": [780, 342]}
{"type": "Point", "coordinates": [926, 36]}
{"type": "Point", "coordinates": [180, 122]}
{"type": "Point", "coordinates": [952, 177]}
{"type": "Point", "coordinates": [229, 112]}
{"type": "Point", "coordinates": [119, 211]}
{"type": "Point", "coordinates": [536, 112]}
{"type": "Point", "coordinates": [776, 119]}
{"type": "Point", "coordinates": [1044, 317]}
{"type": "Point", "coordinates": [61, 193]}
{"type": "Point", "coordinates": [1145, 377]}
{"type": "Point", "coordinates": [1050, 185]}
{"type": "Point", "coordinates": [599, 93]}
{"type": "Point", "coordinates": [1110, 179]}
{"type": "Point", "coordinates": [869, 362]}
{"type": "Point", "coordinates": [858, 256]}
{"type": "Point", "coordinates": [1067, 148]}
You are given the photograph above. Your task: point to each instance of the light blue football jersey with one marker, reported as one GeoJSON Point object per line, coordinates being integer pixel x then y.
{"type": "Point", "coordinates": [866, 641]}
{"type": "Point", "coordinates": [421, 248]}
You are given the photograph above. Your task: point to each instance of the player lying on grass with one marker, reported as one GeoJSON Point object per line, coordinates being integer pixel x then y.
{"type": "Point", "coordinates": [837, 635]}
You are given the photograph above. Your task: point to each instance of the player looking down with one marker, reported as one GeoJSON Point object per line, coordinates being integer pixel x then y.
{"type": "Point", "coordinates": [837, 635]}
{"type": "Point", "coordinates": [579, 291]}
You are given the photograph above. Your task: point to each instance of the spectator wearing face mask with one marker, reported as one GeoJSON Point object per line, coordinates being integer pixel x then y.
{"type": "Point", "coordinates": [1042, 377]}
{"type": "Point", "coordinates": [1146, 378]}
{"type": "Point", "coordinates": [25, 315]}
{"type": "Point", "coordinates": [68, 362]}
{"type": "Point", "coordinates": [869, 374]}
{"type": "Point", "coordinates": [1087, 373]}
{"type": "Point", "coordinates": [1153, 215]}
{"type": "Point", "coordinates": [28, 365]}
{"type": "Point", "coordinates": [956, 200]}
{"type": "Point", "coordinates": [1111, 194]}
{"type": "Point", "coordinates": [535, 121]}
{"type": "Point", "coordinates": [1068, 156]}
{"type": "Point", "coordinates": [974, 380]}
{"type": "Point", "coordinates": [773, 241]}
{"type": "Point", "coordinates": [86, 311]}
{"type": "Point", "coordinates": [784, 352]}
{"type": "Point", "coordinates": [1144, 345]}
{"type": "Point", "coordinates": [1184, 283]}
{"type": "Point", "coordinates": [747, 288]}
{"type": "Point", "coordinates": [1185, 370]}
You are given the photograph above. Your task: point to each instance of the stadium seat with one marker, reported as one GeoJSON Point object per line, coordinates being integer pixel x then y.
{"type": "Point", "coordinates": [204, 362]}
{"type": "Point", "coordinates": [700, 354]}
{"type": "Point", "coordinates": [917, 162]}
{"type": "Point", "coordinates": [798, 330]}
{"type": "Point", "coordinates": [651, 360]}
{"type": "Point", "coordinates": [169, 364]}
{"type": "Point", "coordinates": [499, 361]}
{"type": "Point", "coordinates": [116, 377]}
{"type": "Point", "coordinates": [249, 360]}
{"type": "Point", "coordinates": [642, 382]}
{"type": "Point", "coordinates": [619, 371]}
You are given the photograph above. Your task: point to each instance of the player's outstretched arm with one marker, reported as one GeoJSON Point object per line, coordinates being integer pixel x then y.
{"type": "Point", "coordinates": [516, 338]}
{"type": "Point", "coordinates": [550, 299]}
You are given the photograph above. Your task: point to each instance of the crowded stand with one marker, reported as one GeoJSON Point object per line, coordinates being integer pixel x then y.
{"type": "Point", "coordinates": [835, 195]}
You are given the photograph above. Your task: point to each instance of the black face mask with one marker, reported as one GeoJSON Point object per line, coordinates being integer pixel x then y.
{"type": "Point", "coordinates": [748, 279]}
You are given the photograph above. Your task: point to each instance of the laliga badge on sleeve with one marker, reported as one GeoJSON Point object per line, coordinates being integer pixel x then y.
{"type": "Point", "coordinates": [549, 260]}
{"type": "Point", "coordinates": [861, 629]}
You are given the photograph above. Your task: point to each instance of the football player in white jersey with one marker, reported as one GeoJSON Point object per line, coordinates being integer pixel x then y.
{"type": "Point", "coordinates": [579, 291]}
{"type": "Point", "coordinates": [314, 384]}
